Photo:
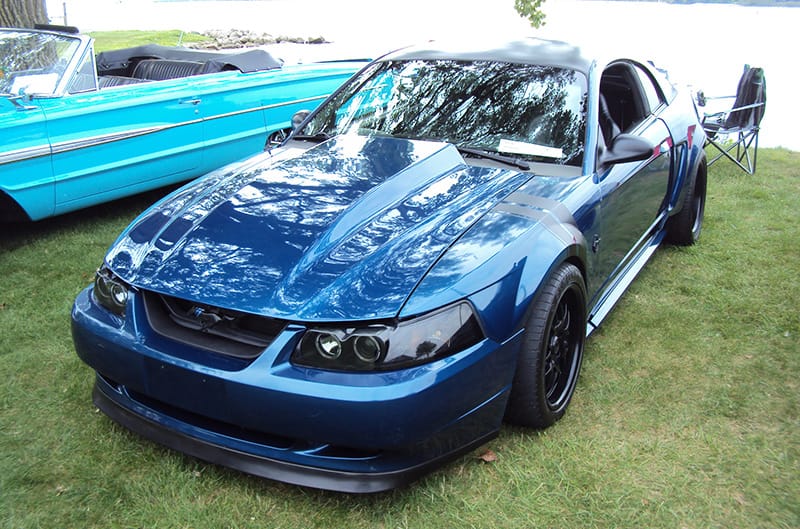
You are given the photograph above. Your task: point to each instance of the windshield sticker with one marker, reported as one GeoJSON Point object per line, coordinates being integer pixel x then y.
{"type": "Point", "coordinates": [531, 149]}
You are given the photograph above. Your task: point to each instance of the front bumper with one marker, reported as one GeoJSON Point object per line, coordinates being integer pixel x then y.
{"type": "Point", "coordinates": [341, 431]}
{"type": "Point", "coordinates": [156, 427]}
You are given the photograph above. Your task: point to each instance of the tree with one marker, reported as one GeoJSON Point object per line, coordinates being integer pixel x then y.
{"type": "Point", "coordinates": [22, 13]}
{"type": "Point", "coordinates": [532, 10]}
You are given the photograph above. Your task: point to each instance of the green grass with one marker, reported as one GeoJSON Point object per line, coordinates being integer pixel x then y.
{"type": "Point", "coordinates": [686, 414]}
{"type": "Point", "coordinates": [112, 40]}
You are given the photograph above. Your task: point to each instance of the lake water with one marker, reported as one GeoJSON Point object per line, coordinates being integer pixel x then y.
{"type": "Point", "coordinates": [703, 45]}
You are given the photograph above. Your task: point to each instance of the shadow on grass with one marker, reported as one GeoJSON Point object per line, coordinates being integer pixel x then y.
{"type": "Point", "coordinates": [120, 212]}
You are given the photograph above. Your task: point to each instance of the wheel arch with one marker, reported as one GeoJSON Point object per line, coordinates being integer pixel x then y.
{"type": "Point", "coordinates": [697, 162]}
{"type": "Point", "coordinates": [574, 254]}
{"type": "Point", "coordinates": [10, 210]}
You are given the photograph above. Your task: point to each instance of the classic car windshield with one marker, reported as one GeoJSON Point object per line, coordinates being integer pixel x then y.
{"type": "Point", "coordinates": [528, 111]}
{"type": "Point", "coordinates": [34, 63]}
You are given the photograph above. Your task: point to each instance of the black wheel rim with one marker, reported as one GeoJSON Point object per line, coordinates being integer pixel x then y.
{"type": "Point", "coordinates": [562, 355]}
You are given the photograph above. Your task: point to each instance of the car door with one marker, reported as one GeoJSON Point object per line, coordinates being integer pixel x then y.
{"type": "Point", "coordinates": [234, 125]}
{"type": "Point", "coordinates": [241, 109]}
{"type": "Point", "coordinates": [633, 193]}
{"type": "Point", "coordinates": [117, 141]}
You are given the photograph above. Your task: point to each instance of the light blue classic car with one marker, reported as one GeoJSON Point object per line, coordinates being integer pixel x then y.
{"type": "Point", "coordinates": [79, 129]}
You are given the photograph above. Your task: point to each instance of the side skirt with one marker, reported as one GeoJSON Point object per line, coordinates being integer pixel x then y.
{"type": "Point", "coordinates": [622, 282]}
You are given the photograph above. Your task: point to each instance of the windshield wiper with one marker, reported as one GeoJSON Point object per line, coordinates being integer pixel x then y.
{"type": "Point", "coordinates": [496, 156]}
{"type": "Point", "coordinates": [318, 137]}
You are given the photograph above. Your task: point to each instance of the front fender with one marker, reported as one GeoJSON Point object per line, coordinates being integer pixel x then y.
{"type": "Point", "coordinates": [500, 264]}
{"type": "Point", "coordinates": [26, 170]}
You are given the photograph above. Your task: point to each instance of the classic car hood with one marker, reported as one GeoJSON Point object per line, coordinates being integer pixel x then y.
{"type": "Point", "coordinates": [343, 231]}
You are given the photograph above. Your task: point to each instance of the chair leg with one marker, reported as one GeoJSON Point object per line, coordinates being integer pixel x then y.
{"type": "Point", "coordinates": [745, 142]}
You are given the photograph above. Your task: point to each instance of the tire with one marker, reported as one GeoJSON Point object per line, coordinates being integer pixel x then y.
{"type": "Point", "coordinates": [552, 349]}
{"type": "Point", "coordinates": [683, 228]}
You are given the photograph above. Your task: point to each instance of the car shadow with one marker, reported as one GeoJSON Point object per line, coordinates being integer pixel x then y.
{"type": "Point", "coordinates": [14, 235]}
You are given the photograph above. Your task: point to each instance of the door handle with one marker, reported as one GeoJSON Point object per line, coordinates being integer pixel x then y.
{"type": "Point", "coordinates": [193, 101]}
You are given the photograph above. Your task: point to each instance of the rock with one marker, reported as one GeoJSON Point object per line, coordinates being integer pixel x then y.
{"type": "Point", "coordinates": [234, 38]}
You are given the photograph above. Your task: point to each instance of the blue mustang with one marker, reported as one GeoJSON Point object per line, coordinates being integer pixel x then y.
{"type": "Point", "coordinates": [80, 130]}
{"type": "Point", "coordinates": [422, 258]}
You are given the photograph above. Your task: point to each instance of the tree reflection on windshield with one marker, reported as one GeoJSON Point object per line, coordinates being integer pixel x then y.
{"type": "Point", "coordinates": [536, 112]}
{"type": "Point", "coordinates": [33, 63]}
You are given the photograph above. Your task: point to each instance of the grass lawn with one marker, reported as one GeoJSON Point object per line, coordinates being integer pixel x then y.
{"type": "Point", "coordinates": [112, 40]}
{"type": "Point", "coordinates": [686, 413]}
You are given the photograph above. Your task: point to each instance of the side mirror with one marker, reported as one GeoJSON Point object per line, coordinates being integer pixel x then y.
{"type": "Point", "coordinates": [627, 148]}
{"type": "Point", "coordinates": [299, 117]}
{"type": "Point", "coordinates": [701, 99]}
{"type": "Point", "coordinates": [19, 101]}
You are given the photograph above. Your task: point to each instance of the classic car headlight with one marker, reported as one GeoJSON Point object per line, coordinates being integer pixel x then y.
{"type": "Point", "coordinates": [110, 291]}
{"type": "Point", "coordinates": [383, 347]}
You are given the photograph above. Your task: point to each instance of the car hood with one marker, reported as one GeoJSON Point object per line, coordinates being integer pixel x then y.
{"type": "Point", "coordinates": [342, 231]}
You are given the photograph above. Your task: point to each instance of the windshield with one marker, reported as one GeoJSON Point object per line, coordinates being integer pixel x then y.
{"type": "Point", "coordinates": [524, 110]}
{"type": "Point", "coordinates": [34, 63]}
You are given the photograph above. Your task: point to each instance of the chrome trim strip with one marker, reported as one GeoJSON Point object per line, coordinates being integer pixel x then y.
{"type": "Point", "coordinates": [24, 154]}
{"type": "Point", "coordinates": [74, 145]}
{"type": "Point", "coordinates": [83, 143]}
{"type": "Point", "coordinates": [267, 107]}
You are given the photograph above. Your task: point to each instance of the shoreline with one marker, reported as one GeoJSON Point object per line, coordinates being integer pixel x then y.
{"type": "Point", "coordinates": [692, 41]}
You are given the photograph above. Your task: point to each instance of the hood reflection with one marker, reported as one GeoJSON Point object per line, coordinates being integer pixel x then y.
{"type": "Point", "coordinates": [343, 231]}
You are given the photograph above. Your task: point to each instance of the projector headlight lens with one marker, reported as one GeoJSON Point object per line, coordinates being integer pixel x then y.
{"type": "Point", "coordinates": [110, 291]}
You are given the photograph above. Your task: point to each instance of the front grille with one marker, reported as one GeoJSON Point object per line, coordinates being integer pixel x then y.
{"type": "Point", "coordinates": [223, 331]}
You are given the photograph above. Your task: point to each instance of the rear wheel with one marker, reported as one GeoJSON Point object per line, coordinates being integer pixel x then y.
{"type": "Point", "coordinates": [550, 358]}
{"type": "Point", "coordinates": [684, 227]}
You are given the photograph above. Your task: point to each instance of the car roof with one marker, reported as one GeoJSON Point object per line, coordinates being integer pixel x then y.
{"type": "Point", "coordinates": [525, 51]}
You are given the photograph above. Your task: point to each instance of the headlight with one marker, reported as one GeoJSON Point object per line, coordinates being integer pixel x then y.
{"type": "Point", "coordinates": [382, 347]}
{"type": "Point", "coordinates": [110, 291]}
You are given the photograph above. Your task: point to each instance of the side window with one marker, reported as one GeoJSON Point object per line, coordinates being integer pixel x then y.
{"type": "Point", "coordinates": [652, 95]}
{"type": "Point", "coordinates": [84, 79]}
{"type": "Point", "coordinates": [622, 91]}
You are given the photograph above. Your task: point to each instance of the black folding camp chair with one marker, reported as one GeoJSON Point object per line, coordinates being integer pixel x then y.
{"type": "Point", "coordinates": [741, 122]}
